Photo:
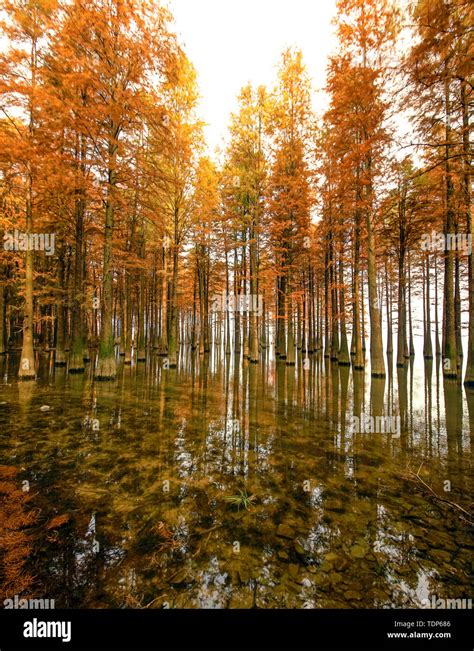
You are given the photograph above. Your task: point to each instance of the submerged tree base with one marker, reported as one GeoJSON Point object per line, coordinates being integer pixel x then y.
{"type": "Point", "coordinates": [106, 369]}
{"type": "Point", "coordinates": [76, 361]}
{"type": "Point", "coordinates": [450, 375]}
{"type": "Point", "coordinates": [26, 378]}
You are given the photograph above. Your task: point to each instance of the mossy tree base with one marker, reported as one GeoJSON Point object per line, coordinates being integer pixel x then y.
{"type": "Point", "coordinates": [450, 375]}
{"type": "Point", "coordinates": [106, 369]}
{"type": "Point", "coordinates": [76, 362]}
{"type": "Point", "coordinates": [26, 378]}
{"type": "Point", "coordinates": [60, 358]}
{"type": "Point", "coordinates": [161, 349]}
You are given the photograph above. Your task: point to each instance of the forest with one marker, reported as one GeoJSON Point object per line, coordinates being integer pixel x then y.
{"type": "Point", "coordinates": [314, 251]}
{"type": "Point", "coordinates": [106, 159]}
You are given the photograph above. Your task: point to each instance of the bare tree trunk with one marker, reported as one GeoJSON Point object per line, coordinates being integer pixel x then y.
{"type": "Point", "coordinates": [410, 318]}
{"type": "Point", "coordinates": [469, 377]}
{"type": "Point", "coordinates": [450, 357]}
{"type": "Point", "coordinates": [172, 347]}
{"type": "Point", "coordinates": [356, 346]}
{"type": "Point", "coordinates": [77, 347]}
{"type": "Point", "coordinates": [3, 349]}
{"type": "Point", "coordinates": [60, 354]}
{"type": "Point", "coordinates": [428, 346]}
{"type": "Point", "coordinates": [334, 350]}
{"type": "Point", "coordinates": [253, 351]}
{"type": "Point", "coordinates": [106, 366]}
{"type": "Point", "coordinates": [281, 316]}
{"type": "Point", "coordinates": [376, 345]}
{"type": "Point", "coordinates": [343, 356]}
{"type": "Point", "coordinates": [27, 360]}
{"type": "Point", "coordinates": [438, 346]}
{"type": "Point", "coordinates": [327, 344]}
{"type": "Point", "coordinates": [290, 357]}
{"type": "Point", "coordinates": [388, 299]}
{"type": "Point", "coordinates": [227, 313]}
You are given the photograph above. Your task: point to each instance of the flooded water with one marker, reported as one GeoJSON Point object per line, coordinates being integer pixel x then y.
{"type": "Point", "coordinates": [228, 485]}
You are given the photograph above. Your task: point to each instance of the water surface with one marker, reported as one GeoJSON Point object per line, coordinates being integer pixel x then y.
{"type": "Point", "coordinates": [142, 469]}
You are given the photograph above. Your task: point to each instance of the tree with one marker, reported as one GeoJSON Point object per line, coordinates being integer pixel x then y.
{"type": "Point", "coordinates": [26, 26]}
{"type": "Point", "coordinates": [289, 196]}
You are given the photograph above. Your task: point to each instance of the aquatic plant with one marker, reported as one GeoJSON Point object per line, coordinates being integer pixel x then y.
{"type": "Point", "coordinates": [242, 499]}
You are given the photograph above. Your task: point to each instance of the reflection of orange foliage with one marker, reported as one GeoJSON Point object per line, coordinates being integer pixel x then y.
{"type": "Point", "coordinates": [57, 521]}
{"type": "Point", "coordinates": [167, 537]}
{"type": "Point", "coordinates": [15, 543]}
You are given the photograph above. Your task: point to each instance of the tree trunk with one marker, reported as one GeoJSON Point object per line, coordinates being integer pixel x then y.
{"type": "Point", "coordinates": [77, 349]}
{"type": "Point", "coordinates": [60, 354]}
{"type": "Point", "coordinates": [3, 349]}
{"type": "Point", "coordinates": [469, 376]}
{"type": "Point", "coordinates": [290, 357]}
{"type": "Point", "coordinates": [27, 360]}
{"type": "Point", "coordinates": [376, 346]}
{"type": "Point", "coordinates": [356, 345]}
{"type": "Point", "coordinates": [450, 357]}
{"type": "Point", "coordinates": [253, 351]}
{"type": "Point", "coordinates": [106, 367]}
{"type": "Point", "coordinates": [438, 346]}
{"type": "Point", "coordinates": [343, 356]}
{"type": "Point", "coordinates": [428, 346]}
{"type": "Point", "coordinates": [172, 344]}
{"type": "Point", "coordinates": [388, 299]}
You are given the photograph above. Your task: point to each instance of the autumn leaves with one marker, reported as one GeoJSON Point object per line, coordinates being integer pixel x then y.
{"type": "Point", "coordinates": [320, 220]}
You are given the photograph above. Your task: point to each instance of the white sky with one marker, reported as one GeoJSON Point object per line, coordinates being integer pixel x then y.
{"type": "Point", "coordinates": [232, 42]}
